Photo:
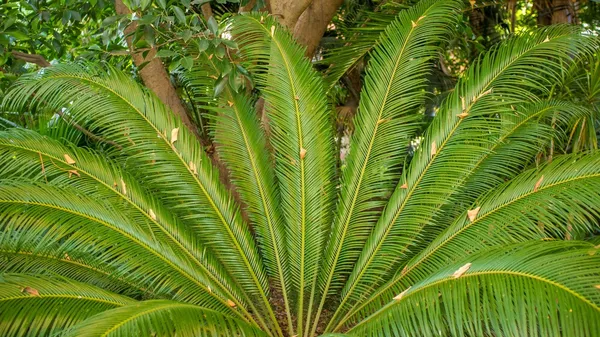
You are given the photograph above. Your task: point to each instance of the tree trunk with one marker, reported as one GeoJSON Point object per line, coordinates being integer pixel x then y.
{"type": "Point", "coordinates": [288, 11]}
{"type": "Point", "coordinates": [313, 23]}
{"type": "Point", "coordinates": [555, 11]}
{"type": "Point", "coordinates": [153, 74]}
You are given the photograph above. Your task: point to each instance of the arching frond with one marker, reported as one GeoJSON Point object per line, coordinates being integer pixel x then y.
{"type": "Point", "coordinates": [45, 306]}
{"type": "Point", "coordinates": [158, 148]}
{"type": "Point", "coordinates": [526, 208]}
{"type": "Point", "coordinates": [57, 221]}
{"type": "Point", "coordinates": [302, 137]}
{"type": "Point", "coordinates": [26, 154]}
{"type": "Point", "coordinates": [453, 143]}
{"type": "Point", "coordinates": [534, 289]}
{"type": "Point", "coordinates": [385, 124]}
{"type": "Point", "coordinates": [163, 318]}
{"type": "Point", "coordinates": [242, 145]}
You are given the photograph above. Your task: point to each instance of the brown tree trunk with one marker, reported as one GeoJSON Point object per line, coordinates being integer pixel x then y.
{"type": "Point", "coordinates": [313, 23]}
{"type": "Point", "coordinates": [555, 11]}
{"type": "Point", "coordinates": [288, 11]}
{"type": "Point", "coordinates": [153, 74]}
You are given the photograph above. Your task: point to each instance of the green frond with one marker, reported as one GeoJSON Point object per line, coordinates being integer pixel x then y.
{"type": "Point", "coordinates": [358, 43]}
{"type": "Point", "coordinates": [385, 124]}
{"type": "Point", "coordinates": [241, 144]}
{"type": "Point", "coordinates": [162, 318]}
{"type": "Point", "coordinates": [556, 201]}
{"type": "Point", "coordinates": [302, 137]}
{"type": "Point", "coordinates": [56, 221]}
{"type": "Point", "coordinates": [26, 154]}
{"type": "Point", "coordinates": [18, 260]}
{"type": "Point", "coordinates": [534, 289]}
{"type": "Point", "coordinates": [454, 141]}
{"type": "Point", "coordinates": [45, 306]}
{"type": "Point", "coordinates": [157, 148]}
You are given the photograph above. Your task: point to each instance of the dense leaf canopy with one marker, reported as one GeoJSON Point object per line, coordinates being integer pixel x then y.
{"type": "Point", "coordinates": [479, 220]}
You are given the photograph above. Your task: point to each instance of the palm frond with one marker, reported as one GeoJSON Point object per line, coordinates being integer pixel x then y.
{"type": "Point", "coordinates": [28, 155]}
{"type": "Point", "coordinates": [302, 137]}
{"type": "Point", "coordinates": [534, 289]}
{"type": "Point", "coordinates": [56, 221]}
{"type": "Point", "coordinates": [45, 306]}
{"type": "Point", "coordinates": [555, 201]}
{"type": "Point", "coordinates": [454, 141]}
{"type": "Point", "coordinates": [385, 124]}
{"type": "Point", "coordinates": [158, 148]}
{"type": "Point", "coordinates": [162, 318]}
{"type": "Point", "coordinates": [241, 144]}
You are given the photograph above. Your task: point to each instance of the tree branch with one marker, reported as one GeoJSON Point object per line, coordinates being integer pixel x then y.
{"type": "Point", "coordinates": [31, 58]}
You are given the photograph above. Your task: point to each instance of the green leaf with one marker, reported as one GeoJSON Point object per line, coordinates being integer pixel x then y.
{"type": "Point", "coordinates": [187, 62]}
{"type": "Point", "coordinates": [179, 14]}
{"type": "Point", "coordinates": [213, 26]}
{"type": "Point", "coordinates": [166, 53]}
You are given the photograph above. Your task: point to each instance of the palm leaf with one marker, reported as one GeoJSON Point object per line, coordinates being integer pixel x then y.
{"type": "Point", "coordinates": [55, 221]}
{"type": "Point", "coordinates": [241, 144]}
{"type": "Point", "coordinates": [162, 318]}
{"type": "Point", "coordinates": [26, 154]}
{"type": "Point", "coordinates": [386, 118]}
{"type": "Point", "coordinates": [453, 143]}
{"type": "Point", "coordinates": [44, 306]}
{"type": "Point", "coordinates": [161, 148]}
{"type": "Point", "coordinates": [525, 208]}
{"type": "Point", "coordinates": [534, 289]}
{"type": "Point", "coordinates": [303, 143]}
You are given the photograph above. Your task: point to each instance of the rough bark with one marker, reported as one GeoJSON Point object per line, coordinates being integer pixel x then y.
{"type": "Point", "coordinates": [288, 11]}
{"type": "Point", "coordinates": [31, 58]}
{"type": "Point", "coordinates": [555, 11]}
{"type": "Point", "coordinates": [313, 23]}
{"type": "Point", "coordinates": [153, 74]}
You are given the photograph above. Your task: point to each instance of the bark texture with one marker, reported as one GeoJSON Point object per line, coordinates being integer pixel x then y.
{"type": "Point", "coordinates": [313, 23]}
{"type": "Point", "coordinates": [153, 74]}
{"type": "Point", "coordinates": [556, 11]}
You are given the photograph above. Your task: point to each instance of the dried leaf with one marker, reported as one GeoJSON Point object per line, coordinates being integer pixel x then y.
{"type": "Point", "coordinates": [209, 289]}
{"type": "Point", "coordinates": [302, 153]}
{"type": "Point", "coordinates": [404, 186]}
{"type": "Point", "coordinates": [472, 213]}
{"type": "Point", "coordinates": [462, 270]}
{"type": "Point", "coordinates": [213, 77]}
{"type": "Point", "coordinates": [297, 98]}
{"type": "Point", "coordinates": [151, 213]}
{"type": "Point", "coordinates": [462, 101]}
{"type": "Point", "coordinates": [272, 30]}
{"type": "Point", "coordinates": [193, 167]}
{"type": "Point", "coordinates": [210, 57]}
{"type": "Point", "coordinates": [597, 286]}
{"type": "Point", "coordinates": [73, 172]}
{"type": "Point", "coordinates": [472, 2]}
{"type": "Point", "coordinates": [69, 160]}
{"type": "Point", "coordinates": [433, 148]}
{"type": "Point", "coordinates": [123, 187]}
{"type": "Point", "coordinates": [67, 257]}
{"type": "Point", "coordinates": [463, 115]}
{"type": "Point", "coordinates": [31, 291]}
{"type": "Point", "coordinates": [414, 24]}
{"type": "Point", "coordinates": [230, 103]}
{"type": "Point", "coordinates": [422, 17]}
{"type": "Point", "coordinates": [399, 296]}
{"type": "Point", "coordinates": [174, 134]}
{"type": "Point", "coordinates": [404, 270]}
{"type": "Point", "coordinates": [538, 184]}
{"type": "Point", "coordinates": [547, 39]}
{"type": "Point", "coordinates": [230, 303]}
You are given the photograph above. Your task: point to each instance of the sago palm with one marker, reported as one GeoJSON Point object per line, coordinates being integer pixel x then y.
{"type": "Point", "coordinates": [476, 226]}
